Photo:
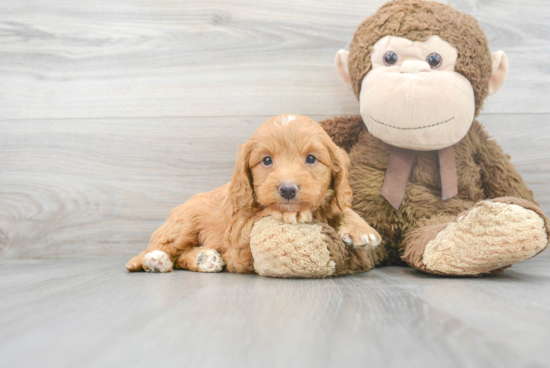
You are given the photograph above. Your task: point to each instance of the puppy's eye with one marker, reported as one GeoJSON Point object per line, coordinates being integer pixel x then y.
{"type": "Point", "coordinates": [311, 159]}
{"type": "Point", "coordinates": [390, 58]}
{"type": "Point", "coordinates": [434, 59]}
{"type": "Point", "coordinates": [267, 161]}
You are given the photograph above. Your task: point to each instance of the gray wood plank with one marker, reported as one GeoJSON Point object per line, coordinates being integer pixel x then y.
{"type": "Point", "coordinates": [100, 187]}
{"type": "Point", "coordinates": [92, 313]}
{"type": "Point", "coordinates": [125, 58]}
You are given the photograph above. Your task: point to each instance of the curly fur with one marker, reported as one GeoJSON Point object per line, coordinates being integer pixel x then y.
{"type": "Point", "coordinates": [223, 219]}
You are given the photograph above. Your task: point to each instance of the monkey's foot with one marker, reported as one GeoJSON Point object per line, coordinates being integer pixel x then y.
{"type": "Point", "coordinates": [492, 236]}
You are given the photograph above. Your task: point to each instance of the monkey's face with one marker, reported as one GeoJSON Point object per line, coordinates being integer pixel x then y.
{"type": "Point", "coordinates": [413, 98]}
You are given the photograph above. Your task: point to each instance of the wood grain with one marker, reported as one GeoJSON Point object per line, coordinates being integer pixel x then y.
{"type": "Point", "coordinates": [112, 112]}
{"type": "Point", "coordinates": [92, 313]}
{"type": "Point", "coordinates": [100, 187]}
{"type": "Point", "coordinates": [167, 58]}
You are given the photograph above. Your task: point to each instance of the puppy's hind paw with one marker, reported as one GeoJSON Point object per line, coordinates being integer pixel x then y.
{"type": "Point", "coordinates": [209, 260]}
{"type": "Point", "coordinates": [156, 261]}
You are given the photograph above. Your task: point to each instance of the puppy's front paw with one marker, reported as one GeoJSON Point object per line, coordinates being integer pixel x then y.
{"type": "Point", "coordinates": [293, 217]}
{"type": "Point", "coordinates": [304, 216]}
{"type": "Point", "coordinates": [358, 237]}
{"type": "Point", "coordinates": [209, 260]}
{"type": "Point", "coordinates": [156, 261]}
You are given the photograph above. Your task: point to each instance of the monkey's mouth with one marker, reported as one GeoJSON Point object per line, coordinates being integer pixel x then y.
{"type": "Point", "coordinates": [414, 128]}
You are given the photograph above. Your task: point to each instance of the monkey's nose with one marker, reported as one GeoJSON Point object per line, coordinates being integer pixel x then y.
{"type": "Point", "coordinates": [414, 66]}
{"type": "Point", "coordinates": [288, 190]}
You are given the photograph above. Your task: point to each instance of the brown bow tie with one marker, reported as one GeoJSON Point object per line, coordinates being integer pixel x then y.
{"type": "Point", "coordinates": [399, 169]}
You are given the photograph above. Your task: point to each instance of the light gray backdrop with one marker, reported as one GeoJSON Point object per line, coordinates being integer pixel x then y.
{"type": "Point", "coordinates": [113, 112]}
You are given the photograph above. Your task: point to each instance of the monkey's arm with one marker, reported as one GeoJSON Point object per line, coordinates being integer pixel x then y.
{"type": "Point", "coordinates": [344, 130]}
{"type": "Point", "coordinates": [500, 177]}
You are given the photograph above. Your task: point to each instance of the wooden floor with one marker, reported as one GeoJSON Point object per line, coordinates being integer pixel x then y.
{"type": "Point", "coordinates": [92, 313]}
{"type": "Point", "coordinates": [113, 112]}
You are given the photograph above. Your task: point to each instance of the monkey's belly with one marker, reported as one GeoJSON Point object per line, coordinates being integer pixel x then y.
{"type": "Point", "coordinates": [422, 202]}
{"type": "Point", "coordinates": [369, 159]}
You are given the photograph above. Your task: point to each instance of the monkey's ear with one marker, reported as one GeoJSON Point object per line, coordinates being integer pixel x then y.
{"type": "Point", "coordinates": [500, 71]}
{"type": "Point", "coordinates": [341, 61]}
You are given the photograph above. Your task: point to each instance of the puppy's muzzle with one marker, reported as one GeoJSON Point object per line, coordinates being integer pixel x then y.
{"type": "Point", "coordinates": [288, 191]}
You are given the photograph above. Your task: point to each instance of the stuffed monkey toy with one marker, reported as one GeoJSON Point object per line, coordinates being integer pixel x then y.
{"type": "Point", "coordinates": [424, 173]}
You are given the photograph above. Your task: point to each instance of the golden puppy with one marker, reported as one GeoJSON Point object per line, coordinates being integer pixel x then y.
{"type": "Point", "coordinates": [289, 169]}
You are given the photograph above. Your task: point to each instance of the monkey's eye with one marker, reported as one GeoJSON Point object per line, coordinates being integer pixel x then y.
{"type": "Point", "coordinates": [267, 161]}
{"type": "Point", "coordinates": [311, 159]}
{"type": "Point", "coordinates": [390, 58]}
{"type": "Point", "coordinates": [434, 59]}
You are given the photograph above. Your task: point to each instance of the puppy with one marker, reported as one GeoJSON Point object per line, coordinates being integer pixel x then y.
{"type": "Point", "coordinates": [289, 169]}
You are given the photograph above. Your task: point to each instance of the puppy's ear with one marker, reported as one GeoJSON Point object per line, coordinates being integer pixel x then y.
{"type": "Point", "coordinates": [340, 182]}
{"type": "Point", "coordinates": [241, 194]}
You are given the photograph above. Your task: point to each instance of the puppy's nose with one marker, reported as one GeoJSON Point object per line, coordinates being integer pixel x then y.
{"type": "Point", "coordinates": [288, 190]}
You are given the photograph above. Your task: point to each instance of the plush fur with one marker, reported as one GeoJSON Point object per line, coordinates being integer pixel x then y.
{"type": "Point", "coordinates": [305, 250]}
{"type": "Point", "coordinates": [287, 250]}
{"type": "Point", "coordinates": [484, 171]}
{"type": "Point", "coordinates": [466, 234]}
{"type": "Point", "coordinates": [417, 20]}
{"type": "Point", "coordinates": [494, 246]}
{"type": "Point", "coordinates": [220, 222]}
